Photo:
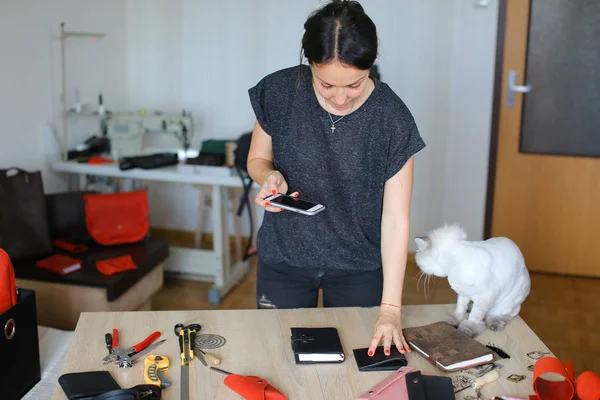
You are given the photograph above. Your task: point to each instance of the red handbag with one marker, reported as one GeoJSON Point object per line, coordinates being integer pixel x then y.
{"type": "Point", "coordinates": [8, 283]}
{"type": "Point", "coordinates": [117, 218]}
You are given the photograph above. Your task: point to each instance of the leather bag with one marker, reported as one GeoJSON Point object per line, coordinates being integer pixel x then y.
{"type": "Point", "coordinates": [117, 218]}
{"type": "Point", "coordinates": [24, 227]}
{"type": "Point", "coordinates": [66, 216]}
{"type": "Point", "coordinates": [8, 283]}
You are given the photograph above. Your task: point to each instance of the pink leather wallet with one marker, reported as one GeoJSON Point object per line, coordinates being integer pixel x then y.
{"type": "Point", "coordinates": [407, 383]}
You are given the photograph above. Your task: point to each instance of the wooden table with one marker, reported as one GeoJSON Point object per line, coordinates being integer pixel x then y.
{"type": "Point", "coordinates": [258, 343]}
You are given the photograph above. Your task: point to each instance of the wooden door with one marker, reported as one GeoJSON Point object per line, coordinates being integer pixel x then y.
{"type": "Point", "coordinates": [548, 200]}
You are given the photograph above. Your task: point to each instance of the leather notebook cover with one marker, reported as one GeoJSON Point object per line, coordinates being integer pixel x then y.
{"type": "Point", "coordinates": [316, 345]}
{"type": "Point", "coordinates": [447, 348]}
{"type": "Point", "coordinates": [379, 361]}
{"type": "Point", "coordinates": [84, 385]}
{"type": "Point", "coordinates": [59, 264]}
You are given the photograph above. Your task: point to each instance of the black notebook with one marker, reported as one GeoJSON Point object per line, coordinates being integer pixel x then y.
{"type": "Point", "coordinates": [317, 345]}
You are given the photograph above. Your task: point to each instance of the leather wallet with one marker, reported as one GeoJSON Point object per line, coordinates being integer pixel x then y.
{"type": "Point", "coordinates": [379, 361]}
{"type": "Point", "coordinates": [87, 385]}
{"type": "Point", "coordinates": [409, 384]}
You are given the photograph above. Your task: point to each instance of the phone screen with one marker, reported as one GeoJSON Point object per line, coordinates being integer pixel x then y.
{"type": "Point", "coordinates": [294, 202]}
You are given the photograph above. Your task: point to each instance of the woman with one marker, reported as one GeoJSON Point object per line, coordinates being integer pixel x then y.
{"type": "Point", "coordinates": [345, 140]}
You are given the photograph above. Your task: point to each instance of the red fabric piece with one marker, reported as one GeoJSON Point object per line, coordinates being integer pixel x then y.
{"type": "Point", "coordinates": [112, 266]}
{"type": "Point", "coordinates": [253, 388]}
{"type": "Point", "coordinates": [587, 385]}
{"type": "Point", "coordinates": [8, 283]}
{"type": "Point", "coordinates": [68, 246]}
{"type": "Point", "coordinates": [99, 160]}
{"type": "Point", "coordinates": [552, 390]}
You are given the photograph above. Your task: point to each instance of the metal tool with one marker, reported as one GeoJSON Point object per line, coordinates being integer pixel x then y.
{"type": "Point", "coordinates": [479, 382]}
{"type": "Point", "coordinates": [108, 341]}
{"type": "Point", "coordinates": [507, 398]}
{"type": "Point", "coordinates": [154, 365]}
{"type": "Point", "coordinates": [211, 357]}
{"type": "Point", "coordinates": [187, 337]}
{"type": "Point", "coordinates": [220, 370]}
{"type": "Point", "coordinates": [208, 341]}
{"type": "Point", "coordinates": [200, 357]}
{"type": "Point", "coordinates": [124, 357]}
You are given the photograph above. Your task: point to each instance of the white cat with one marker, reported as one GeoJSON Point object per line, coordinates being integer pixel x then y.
{"type": "Point", "coordinates": [491, 273]}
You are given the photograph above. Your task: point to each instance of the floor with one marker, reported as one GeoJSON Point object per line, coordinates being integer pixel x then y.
{"type": "Point", "coordinates": [563, 311]}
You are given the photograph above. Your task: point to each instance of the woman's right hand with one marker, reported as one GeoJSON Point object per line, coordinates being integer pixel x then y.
{"type": "Point", "coordinates": [274, 183]}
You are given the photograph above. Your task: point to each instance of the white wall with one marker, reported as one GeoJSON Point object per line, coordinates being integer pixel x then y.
{"type": "Point", "coordinates": [30, 85]}
{"type": "Point", "coordinates": [203, 55]}
{"type": "Point", "coordinates": [469, 102]}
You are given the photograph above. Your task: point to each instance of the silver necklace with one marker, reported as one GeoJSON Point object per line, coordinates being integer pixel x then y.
{"type": "Point", "coordinates": [333, 128]}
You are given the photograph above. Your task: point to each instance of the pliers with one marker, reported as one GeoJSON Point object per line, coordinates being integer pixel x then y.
{"type": "Point", "coordinates": [125, 356]}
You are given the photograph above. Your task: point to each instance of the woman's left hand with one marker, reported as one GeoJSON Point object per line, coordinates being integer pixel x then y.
{"type": "Point", "coordinates": [388, 329]}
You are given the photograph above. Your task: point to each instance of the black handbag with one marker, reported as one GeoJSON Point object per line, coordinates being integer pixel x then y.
{"type": "Point", "coordinates": [66, 216]}
{"type": "Point", "coordinates": [24, 228]}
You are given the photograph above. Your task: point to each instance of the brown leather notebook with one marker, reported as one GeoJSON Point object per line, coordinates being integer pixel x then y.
{"type": "Point", "coordinates": [447, 348]}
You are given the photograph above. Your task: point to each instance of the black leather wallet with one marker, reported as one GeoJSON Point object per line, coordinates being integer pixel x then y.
{"type": "Point", "coordinates": [425, 387]}
{"type": "Point", "coordinates": [379, 361]}
{"type": "Point", "coordinates": [86, 385]}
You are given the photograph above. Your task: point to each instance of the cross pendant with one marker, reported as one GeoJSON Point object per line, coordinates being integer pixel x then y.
{"type": "Point", "coordinates": [332, 128]}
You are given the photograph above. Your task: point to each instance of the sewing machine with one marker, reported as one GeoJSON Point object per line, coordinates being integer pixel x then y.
{"type": "Point", "coordinates": [126, 131]}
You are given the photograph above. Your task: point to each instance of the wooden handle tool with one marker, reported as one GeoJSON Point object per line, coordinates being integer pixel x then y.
{"type": "Point", "coordinates": [211, 357]}
{"type": "Point", "coordinates": [491, 376]}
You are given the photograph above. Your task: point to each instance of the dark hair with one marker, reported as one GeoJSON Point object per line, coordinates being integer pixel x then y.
{"type": "Point", "coordinates": [340, 30]}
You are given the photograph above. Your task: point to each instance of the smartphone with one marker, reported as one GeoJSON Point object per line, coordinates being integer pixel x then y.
{"type": "Point", "coordinates": [294, 204]}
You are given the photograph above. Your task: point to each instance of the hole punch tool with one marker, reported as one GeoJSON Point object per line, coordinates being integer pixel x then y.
{"type": "Point", "coordinates": [124, 357]}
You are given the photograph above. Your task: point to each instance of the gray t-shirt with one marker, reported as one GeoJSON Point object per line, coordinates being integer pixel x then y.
{"type": "Point", "coordinates": [344, 170]}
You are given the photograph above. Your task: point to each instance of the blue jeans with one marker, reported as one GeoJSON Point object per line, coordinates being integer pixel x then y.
{"type": "Point", "coordinates": [284, 286]}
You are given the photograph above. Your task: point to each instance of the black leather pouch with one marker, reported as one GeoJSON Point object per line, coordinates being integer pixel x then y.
{"type": "Point", "coordinates": [66, 216]}
{"type": "Point", "coordinates": [87, 385]}
{"type": "Point", "coordinates": [379, 361]}
{"type": "Point", "coordinates": [146, 392]}
{"type": "Point", "coordinates": [428, 387]}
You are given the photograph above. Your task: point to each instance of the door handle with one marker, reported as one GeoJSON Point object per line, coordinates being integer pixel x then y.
{"type": "Point", "coordinates": [513, 88]}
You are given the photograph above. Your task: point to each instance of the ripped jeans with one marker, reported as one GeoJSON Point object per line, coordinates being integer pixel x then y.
{"type": "Point", "coordinates": [284, 286]}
